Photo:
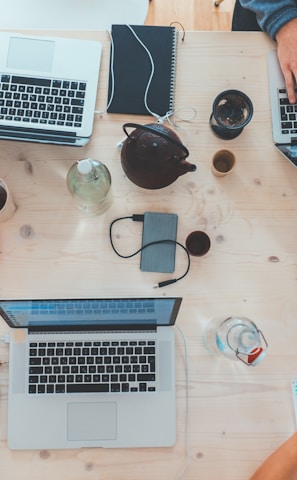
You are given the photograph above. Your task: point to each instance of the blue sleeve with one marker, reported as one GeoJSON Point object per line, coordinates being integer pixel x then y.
{"type": "Point", "coordinates": [272, 14]}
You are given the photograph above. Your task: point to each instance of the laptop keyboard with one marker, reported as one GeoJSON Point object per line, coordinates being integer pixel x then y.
{"type": "Point", "coordinates": [80, 367]}
{"type": "Point", "coordinates": [30, 100]}
{"type": "Point", "coordinates": [288, 114]}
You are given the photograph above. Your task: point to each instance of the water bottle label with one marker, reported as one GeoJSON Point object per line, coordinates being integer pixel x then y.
{"type": "Point", "coordinates": [220, 344]}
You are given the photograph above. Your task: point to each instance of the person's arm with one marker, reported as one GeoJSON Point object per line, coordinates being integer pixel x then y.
{"type": "Point", "coordinates": [286, 39]}
{"type": "Point", "coordinates": [279, 19]}
{"type": "Point", "coordinates": [281, 464]}
{"type": "Point", "coordinates": [271, 14]}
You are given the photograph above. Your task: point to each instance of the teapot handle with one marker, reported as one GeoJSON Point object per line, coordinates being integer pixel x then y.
{"type": "Point", "coordinates": [151, 129]}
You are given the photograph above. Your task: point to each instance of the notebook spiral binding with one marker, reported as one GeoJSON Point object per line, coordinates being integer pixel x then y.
{"type": "Point", "coordinates": [173, 69]}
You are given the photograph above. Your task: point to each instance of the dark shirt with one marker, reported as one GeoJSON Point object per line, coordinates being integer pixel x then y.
{"type": "Point", "coordinates": [266, 15]}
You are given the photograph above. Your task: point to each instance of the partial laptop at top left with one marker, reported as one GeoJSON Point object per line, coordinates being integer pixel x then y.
{"type": "Point", "coordinates": [48, 88]}
{"type": "Point", "coordinates": [283, 114]}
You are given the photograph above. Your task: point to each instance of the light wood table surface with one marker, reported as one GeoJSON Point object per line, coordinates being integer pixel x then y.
{"type": "Point", "coordinates": [237, 414]}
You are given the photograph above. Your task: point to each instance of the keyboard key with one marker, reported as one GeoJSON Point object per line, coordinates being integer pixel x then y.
{"type": "Point", "coordinates": [30, 80]}
{"type": "Point", "coordinates": [5, 78]}
{"type": "Point", "coordinates": [115, 387]}
{"type": "Point", "coordinates": [146, 377]}
{"type": "Point", "coordinates": [60, 388]}
{"type": "Point", "coordinates": [88, 388]}
{"type": "Point", "coordinates": [35, 370]}
{"type": "Point", "coordinates": [35, 361]}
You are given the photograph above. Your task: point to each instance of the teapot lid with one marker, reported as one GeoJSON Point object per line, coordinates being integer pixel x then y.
{"type": "Point", "coordinates": [159, 130]}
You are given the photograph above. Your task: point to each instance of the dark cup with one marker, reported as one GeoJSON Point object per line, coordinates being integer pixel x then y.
{"type": "Point", "coordinates": [7, 205]}
{"type": "Point", "coordinates": [3, 197]}
{"type": "Point", "coordinates": [198, 243]}
{"type": "Point", "coordinates": [232, 110]}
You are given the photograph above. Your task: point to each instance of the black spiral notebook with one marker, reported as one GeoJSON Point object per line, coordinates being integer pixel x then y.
{"type": "Point", "coordinates": [132, 68]}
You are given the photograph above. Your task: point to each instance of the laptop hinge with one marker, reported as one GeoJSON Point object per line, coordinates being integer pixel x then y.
{"type": "Point", "coordinates": [91, 328]}
{"type": "Point", "coordinates": [41, 136]}
{"type": "Point", "coordinates": [294, 141]}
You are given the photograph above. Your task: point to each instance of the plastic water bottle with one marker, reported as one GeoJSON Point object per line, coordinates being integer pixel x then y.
{"type": "Point", "coordinates": [238, 338]}
{"type": "Point", "coordinates": [89, 182]}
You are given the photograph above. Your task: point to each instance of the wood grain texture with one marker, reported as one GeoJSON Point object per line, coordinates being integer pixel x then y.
{"type": "Point", "coordinates": [237, 414]}
{"type": "Point", "coordinates": [192, 14]}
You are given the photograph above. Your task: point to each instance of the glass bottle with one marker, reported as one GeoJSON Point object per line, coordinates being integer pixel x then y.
{"type": "Point", "coordinates": [237, 338]}
{"type": "Point", "coordinates": [89, 182]}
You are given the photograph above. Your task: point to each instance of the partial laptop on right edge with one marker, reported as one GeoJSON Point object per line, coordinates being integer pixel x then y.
{"type": "Point", "coordinates": [284, 115]}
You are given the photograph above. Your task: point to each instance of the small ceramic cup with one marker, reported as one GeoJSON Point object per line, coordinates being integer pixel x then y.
{"type": "Point", "coordinates": [7, 205]}
{"type": "Point", "coordinates": [223, 162]}
{"type": "Point", "coordinates": [198, 243]}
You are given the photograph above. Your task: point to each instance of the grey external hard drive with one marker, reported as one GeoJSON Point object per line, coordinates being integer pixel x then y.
{"type": "Point", "coordinates": [160, 257]}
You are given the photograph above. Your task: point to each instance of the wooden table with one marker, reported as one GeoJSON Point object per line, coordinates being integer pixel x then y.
{"type": "Point", "coordinates": [237, 414]}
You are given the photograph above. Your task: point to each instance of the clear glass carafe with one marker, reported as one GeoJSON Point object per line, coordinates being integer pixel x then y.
{"type": "Point", "coordinates": [237, 338]}
{"type": "Point", "coordinates": [89, 182]}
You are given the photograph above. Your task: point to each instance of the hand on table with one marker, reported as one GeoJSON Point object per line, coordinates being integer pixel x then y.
{"type": "Point", "coordinates": [286, 39]}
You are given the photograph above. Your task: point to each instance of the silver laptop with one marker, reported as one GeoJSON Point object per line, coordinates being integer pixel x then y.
{"type": "Point", "coordinates": [91, 372]}
{"type": "Point", "coordinates": [284, 115]}
{"type": "Point", "coordinates": [48, 88]}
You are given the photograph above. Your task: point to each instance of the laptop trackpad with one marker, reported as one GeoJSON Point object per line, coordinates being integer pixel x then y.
{"type": "Point", "coordinates": [92, 421]}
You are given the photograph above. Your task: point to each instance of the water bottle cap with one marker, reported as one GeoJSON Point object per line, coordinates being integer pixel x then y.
{"type": "Point", "coordinates": [85, 166]}
{"type": "Point", "coordinates": [256, 356]}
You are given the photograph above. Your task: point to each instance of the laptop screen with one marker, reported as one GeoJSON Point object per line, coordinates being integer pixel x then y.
{"type": "Point", "coordinates": [110, 312]}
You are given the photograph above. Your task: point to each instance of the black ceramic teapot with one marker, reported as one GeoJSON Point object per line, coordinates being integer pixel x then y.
{"type": "Point", "coordinates": [153, 156]}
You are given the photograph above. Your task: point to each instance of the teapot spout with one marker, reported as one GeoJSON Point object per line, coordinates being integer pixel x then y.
{"type": "Point", "coordinates": [186, 167]}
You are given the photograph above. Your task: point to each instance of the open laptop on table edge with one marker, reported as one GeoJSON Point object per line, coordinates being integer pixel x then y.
{"type": "Point", "coordinates": [91, 419]}
{"type": "Point", "coordinates": [48, 88]}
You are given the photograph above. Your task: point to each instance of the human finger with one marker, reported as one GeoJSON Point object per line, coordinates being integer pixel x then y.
{"type": "Point", "coordinates": [290, 85]}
